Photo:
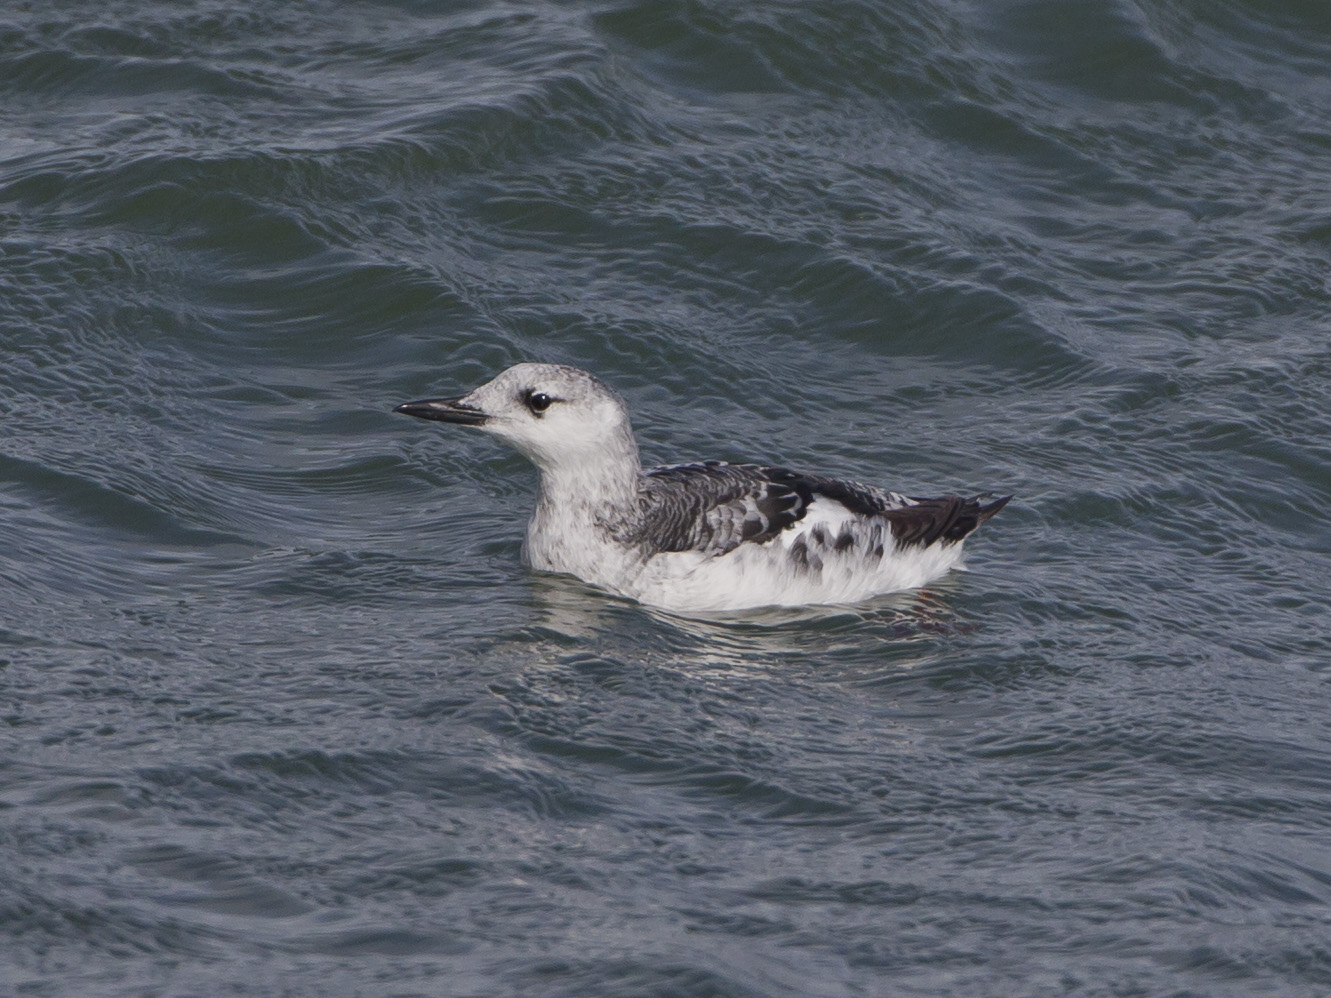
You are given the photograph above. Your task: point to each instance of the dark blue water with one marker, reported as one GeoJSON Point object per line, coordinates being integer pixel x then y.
{"type": "Point", "coordinates": [283, 713]}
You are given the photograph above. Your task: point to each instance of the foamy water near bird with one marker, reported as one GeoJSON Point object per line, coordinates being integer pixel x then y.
{"type": "Point", "coordinates": [703, 536]}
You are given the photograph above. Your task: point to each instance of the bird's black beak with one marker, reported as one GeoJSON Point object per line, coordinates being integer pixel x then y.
{"type": "Point", "coordinates": [451, 410]}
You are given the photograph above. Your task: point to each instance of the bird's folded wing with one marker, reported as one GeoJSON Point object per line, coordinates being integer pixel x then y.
{"type": "Point", "coordinates": [715, 507]}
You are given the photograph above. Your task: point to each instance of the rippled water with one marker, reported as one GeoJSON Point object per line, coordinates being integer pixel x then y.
{"type": "Point", "coordinates": [285, 715]}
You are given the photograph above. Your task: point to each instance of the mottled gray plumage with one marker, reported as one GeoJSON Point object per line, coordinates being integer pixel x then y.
{"type": "Point", "coordinates": [714, 507]}
{"type": "Point", "coordinates": [699, 536]}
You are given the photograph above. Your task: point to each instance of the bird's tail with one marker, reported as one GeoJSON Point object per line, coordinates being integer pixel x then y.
{"type": "Point", "coordinates": [984, 511]}
{"type": "Point", "coordinates": [947, 518]}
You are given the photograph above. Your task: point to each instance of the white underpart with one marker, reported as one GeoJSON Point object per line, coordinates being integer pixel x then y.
{"type": "Point", "coordinates": [753, 574]}
{"type": "Point", "coordinates": [583, 446]}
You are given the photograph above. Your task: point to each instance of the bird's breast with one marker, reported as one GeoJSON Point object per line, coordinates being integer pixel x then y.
{"type": "Point", "coordinates": [579, 541]}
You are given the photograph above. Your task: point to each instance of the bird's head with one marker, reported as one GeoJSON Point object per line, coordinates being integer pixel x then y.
{"type": "Point", "coordinates": [550, 413]}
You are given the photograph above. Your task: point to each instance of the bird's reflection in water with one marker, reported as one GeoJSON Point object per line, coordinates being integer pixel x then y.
{"type": "Point", "coordinates": [855, 643]}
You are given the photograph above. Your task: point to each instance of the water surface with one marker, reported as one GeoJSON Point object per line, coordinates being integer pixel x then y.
{"type": "Point", "coordinates": [285, 715]}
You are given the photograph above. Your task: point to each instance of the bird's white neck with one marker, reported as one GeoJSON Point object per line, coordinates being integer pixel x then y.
{"type": "Point", "coordinates": [585, 501]}
{"type": "Point", "coordinates": [596, 480]}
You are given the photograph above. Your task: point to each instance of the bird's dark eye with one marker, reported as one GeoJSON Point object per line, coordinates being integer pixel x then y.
{"type": "Point", "coordinates": [538, 402]}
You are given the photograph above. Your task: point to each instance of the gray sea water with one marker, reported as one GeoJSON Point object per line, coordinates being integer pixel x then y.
{"type": "Point", "coordinates": [282, 712]}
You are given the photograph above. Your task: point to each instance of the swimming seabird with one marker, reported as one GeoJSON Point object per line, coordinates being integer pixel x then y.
{"type": "Point", "coordinates": [699, 537]}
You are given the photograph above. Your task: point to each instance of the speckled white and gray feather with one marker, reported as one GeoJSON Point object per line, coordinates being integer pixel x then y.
{"type": "Point", "coordinates": [705, 536]}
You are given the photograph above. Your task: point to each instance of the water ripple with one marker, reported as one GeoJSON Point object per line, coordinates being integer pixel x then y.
{"type": "Point", "coordinates": [288, 714]}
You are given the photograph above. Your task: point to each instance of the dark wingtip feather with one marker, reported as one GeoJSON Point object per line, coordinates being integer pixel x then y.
{"type": "Point", "coordinates": [947, 519]}
{"type": "Point", "coordinates": [986, 510]}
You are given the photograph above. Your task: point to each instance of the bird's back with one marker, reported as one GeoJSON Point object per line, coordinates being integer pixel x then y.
{"type": "Point", "coordinates": [722, 536]}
